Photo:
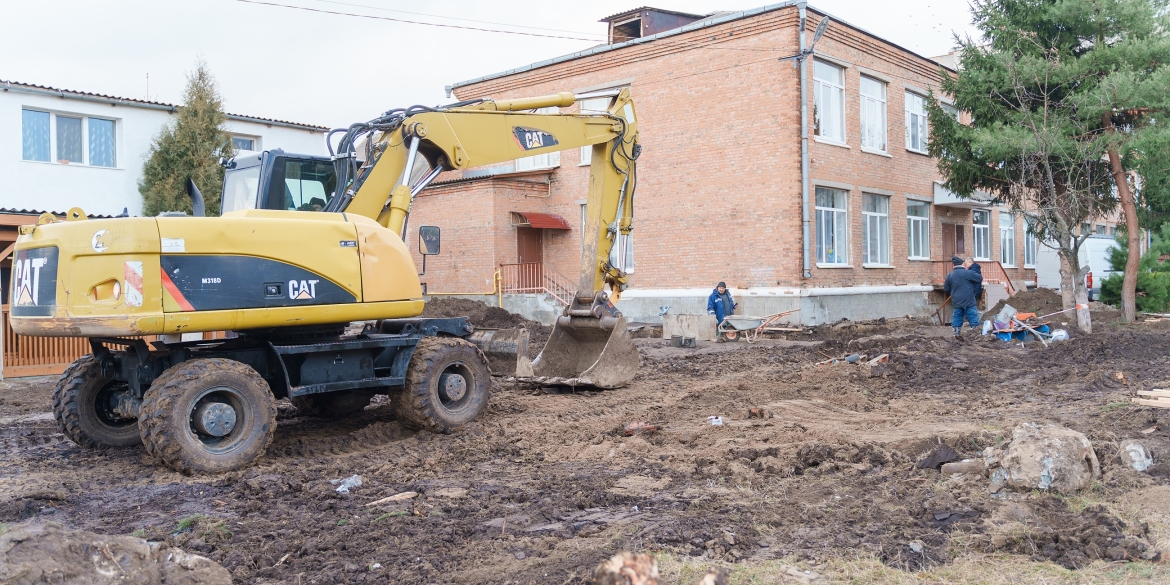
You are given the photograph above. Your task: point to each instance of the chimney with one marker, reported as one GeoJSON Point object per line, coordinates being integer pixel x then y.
{"type": "Point", "coordinates": [644, 22]}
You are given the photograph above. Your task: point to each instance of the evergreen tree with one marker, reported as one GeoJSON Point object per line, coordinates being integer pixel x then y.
{"type": "Point", "coordinates": [1064, 96]}
{"type": "Point", "coordinates": [189, 147]}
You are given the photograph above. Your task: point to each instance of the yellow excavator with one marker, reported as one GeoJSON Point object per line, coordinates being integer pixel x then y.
{"type": "Point", "coordinates": [304, 248]}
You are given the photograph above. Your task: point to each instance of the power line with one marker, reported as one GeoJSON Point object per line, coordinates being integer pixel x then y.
{"type": "Point", "coordinates": [510, 32]}
{"type": "Point", "coordinates": [456, 18]}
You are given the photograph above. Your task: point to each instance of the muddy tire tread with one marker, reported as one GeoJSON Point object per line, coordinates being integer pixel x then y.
{"type": "Point", "coordinates": [160, 397]}
{"type": "Point", "coordinates": [412, 404]}
{"type": "Point", "coordinates": [67, 408]}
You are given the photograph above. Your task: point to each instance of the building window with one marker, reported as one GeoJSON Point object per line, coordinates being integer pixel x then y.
{"type": "Point", "coordinates": [1031, 243]}
{"type": "Point", "coordinates": [101, 143]}
{"type": "Point", "coordinates": [916, 135]}
{"type": "Point", "coordinates": [591, 106]}
{"type": "Point", "coordinates": [875, 230]}
{"type": "Point", "coordinates": [873, 114]}
{"type": "Point", "coordinates": [950, 110]}
{"type": "Point", "coordinates": [982, 232]}
{"type": "Point", "coordinates": [918, 229]}
{"type": "Point", "coordinates": [34, 135]}
{"type": "Point", "coordinates": [243, 143]}
{"type": "Point", "coordinates": [547, 160]}
{"type": "Point", "coordinates": [68, 140]}
{"type": "Point", "coordinates": [1102, 230]}
{"type": "Point", "coordinates": [1007, 239]}
{"type": "Point", "coordinates": [829, 101]}
{"type": "Point", "coordinates": [832, 227]}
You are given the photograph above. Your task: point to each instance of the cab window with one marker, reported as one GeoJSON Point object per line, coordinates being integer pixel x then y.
{"type": "Point", "coordinates": [308, 185]}
{"type": "Point", "coordinates": [239, 189]}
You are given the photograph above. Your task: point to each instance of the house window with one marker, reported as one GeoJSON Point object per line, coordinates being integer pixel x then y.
{"type": "Point", "coordinates": [875, 230]}
{"type": "Point", "coordinates": [68, 140]}
{"type": "Point", "coordinates": [982, 232]}
{"type": "Point", "coordinates": [950, 110]}
{"type": "Point", "coordinates": [34, 135]}
{"type": "Point", "coordinates": [1031, 243]}
{"type": "Point", "coordinates": [547, 160]}
{"type": "Point", "coordinates": [1102, 230]}
{"type": "Point", "coordinates": [243, 143]}
{"type": "Point", "coordinates": [829, 101]}
{"type": "Point", "coordinates": [918, 229]}
{"type": "Point", "coordinates": [1007, 239]}
{"type": "Point", "coordinates": [873, 114]}
{"type": "Point", "coordinates": [916, 122]}
{"type": "Point", "coordinates": [591, 106]}
{"type": "Point", "coordinates": [832, 227]}
{"type": "Point", "coordinates": [101, 143]}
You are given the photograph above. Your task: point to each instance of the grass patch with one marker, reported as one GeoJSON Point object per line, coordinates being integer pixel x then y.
{"type": "Point", "coordinates": [343, 522]}
{"type": "Point", "coordinates": [1114, 406]}
{"type": "Point", "coordinates": [4, 528]}
{"type": "Point", "coordinates": [208, 528]}
{"type": "Point", "coordinates": [140, 533]}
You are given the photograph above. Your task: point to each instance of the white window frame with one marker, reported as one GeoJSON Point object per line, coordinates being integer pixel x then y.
{"type": "Point", "coordinates": [917, 227]}
{"type": "Point", "coordinates": [1007, 239]}
{"type": "Point", "coordinates": [838, 217]}
{"type": "Point", "coordinates": [255, 141]}
{"type": "Point", "coordinates": [836, 93]}
{"type": "Point", "coordinates": [916, 116]}
{"type": "Point", "coordinates": [85, 155]}
{"type": "Point", "coordinates": [584, 105]}
{"type": "Point", "coordinates": [873, 106]}
{"type": "Point", "coordinates": [872, 221]}
{"type": "Point", "coordinates": [981, 234]}
{"type": "Point", "coordinates": [1031, 246]}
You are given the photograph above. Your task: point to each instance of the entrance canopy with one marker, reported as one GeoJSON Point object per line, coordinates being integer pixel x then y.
{"type": "Point", "coordinates": [550, 221]}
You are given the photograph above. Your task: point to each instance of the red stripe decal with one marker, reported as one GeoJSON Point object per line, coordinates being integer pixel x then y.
{"type": "Point", "coordinates": [174, 290]}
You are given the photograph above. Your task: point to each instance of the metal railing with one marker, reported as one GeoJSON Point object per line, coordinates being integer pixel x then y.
{"type": "Point", "coordinates": [993, 273]}
{"type": "Point", "coordinates": [536, 278]}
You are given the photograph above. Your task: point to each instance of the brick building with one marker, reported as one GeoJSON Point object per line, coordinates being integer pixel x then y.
{"type": "Point", "coordinates": [720, 179]}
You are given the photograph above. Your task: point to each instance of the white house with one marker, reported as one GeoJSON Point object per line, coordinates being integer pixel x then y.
{"type": "Point", "coordinates": [61, 148]}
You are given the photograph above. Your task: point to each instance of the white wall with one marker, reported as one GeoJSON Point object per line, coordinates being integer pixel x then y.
{"type": "Point", "coordinates": [51, 186]}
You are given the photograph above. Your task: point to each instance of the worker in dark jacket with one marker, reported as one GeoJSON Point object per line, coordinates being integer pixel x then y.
{"type": "Point", "coordinates": [974, 266]}
{"type": "Point", "coordinates": [960, 284]}
{"type": "Point", "coordinates": [720, 303]}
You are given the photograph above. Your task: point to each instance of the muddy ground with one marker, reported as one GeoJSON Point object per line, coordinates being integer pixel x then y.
{"type": "Point", "coordinates": [546, 485]}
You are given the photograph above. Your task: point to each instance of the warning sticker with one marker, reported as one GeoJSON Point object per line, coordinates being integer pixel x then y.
{"type": "Point", "coordinates": [173, 245]}
{"type": "Point", "coordinates": [133, 278]}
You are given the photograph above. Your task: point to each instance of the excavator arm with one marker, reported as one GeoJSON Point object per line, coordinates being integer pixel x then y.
{"type": "Point", "coordinates": [382, 164]}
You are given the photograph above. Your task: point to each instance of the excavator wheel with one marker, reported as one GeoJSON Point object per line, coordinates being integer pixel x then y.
{"type": "Point", "coordinates": [447, 385]}
{"type": "Point", "coordinates": [333, 404]}
{"type": "Point", "coordinates": [207, 415]}
{"type": "Point", "coordinates": [82, 405]}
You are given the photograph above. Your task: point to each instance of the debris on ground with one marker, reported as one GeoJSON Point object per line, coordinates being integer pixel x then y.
{"type": "Point", "coordinates": [344, 485]}
{"type": "Point", "coordinates": [940, 455]}
{"type": "Point", "coordinates": [1043, 457]}
{"type": "Point", "coordinates": [715, 576]}
{"type": "Point", "coordinates": [394, 498]}
{"type": "Point", "coordinates": [50, 553]}
{"type": "Point", "coordinates": [627, 569]}
{"type": "Point", "coordinates": [964, 467]}
{"type": "Point", "coordinates": [1135, 455]}
{"type": "Point", "coordinates": [796, 575]}
{"type": "Point", "coordinates": [639, 427]}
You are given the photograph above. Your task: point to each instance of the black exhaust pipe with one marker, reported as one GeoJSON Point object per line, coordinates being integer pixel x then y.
{"type": "Point", "coordinates": [197, 209]}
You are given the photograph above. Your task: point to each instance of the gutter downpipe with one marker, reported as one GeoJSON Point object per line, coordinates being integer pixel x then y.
{"type": "Point", "coordinates": [804, 140]}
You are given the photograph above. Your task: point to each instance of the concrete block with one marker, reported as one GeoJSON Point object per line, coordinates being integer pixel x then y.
{"type": "Point", "coordinates": [697, 326]}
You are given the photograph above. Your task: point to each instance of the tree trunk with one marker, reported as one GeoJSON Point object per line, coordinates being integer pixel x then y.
{"type": "Point", "coordinates": [1133, 235]}
{"type": "Point", "coordinates": [1072, 288]}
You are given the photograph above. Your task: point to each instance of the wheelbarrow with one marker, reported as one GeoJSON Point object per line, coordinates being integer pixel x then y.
{"type": "Point", "coordinates": [735, 327]}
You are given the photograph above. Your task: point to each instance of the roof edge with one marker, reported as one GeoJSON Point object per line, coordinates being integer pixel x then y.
{"type": "Point", "coordinates": [705, 23]}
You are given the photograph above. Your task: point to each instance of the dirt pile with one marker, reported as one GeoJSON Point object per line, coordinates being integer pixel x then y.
{"type": "Point", "coordinates": [48, 553]}
{"type": "Point", "coordinates": [486, 317]}
{"type": "Point", "coordinates": [1041, 301]}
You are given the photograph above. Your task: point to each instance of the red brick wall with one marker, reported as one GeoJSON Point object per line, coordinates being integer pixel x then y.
{"type": "Point", "coordinates": [719, 193]}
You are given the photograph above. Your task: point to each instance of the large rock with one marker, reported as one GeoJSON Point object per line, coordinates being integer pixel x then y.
{"type": "Point", "coordinates": [49, 553]}
{"type": "Point", "coordinates": [1135, 455]}
{"type": "Point", "coordinates": [1043, 457]}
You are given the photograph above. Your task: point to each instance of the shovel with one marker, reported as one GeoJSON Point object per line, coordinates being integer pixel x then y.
{"type": "Point", "coordinates": [589, 346]}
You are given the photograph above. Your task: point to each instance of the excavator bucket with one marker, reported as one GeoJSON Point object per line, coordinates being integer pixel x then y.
{"type": "Point", "coordinates": [588, 351]}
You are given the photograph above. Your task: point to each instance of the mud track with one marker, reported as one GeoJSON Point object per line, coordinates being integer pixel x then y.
{"type": "Point", "coordinates": [813, 463]}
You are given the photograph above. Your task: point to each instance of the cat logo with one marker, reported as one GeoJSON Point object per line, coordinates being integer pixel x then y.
{"type": "Point", "coordinates": [303, 290]}
{"type": "Point", "coordinates": [531, 138]}
{"type": "Point", "coordinates": [28, 281]}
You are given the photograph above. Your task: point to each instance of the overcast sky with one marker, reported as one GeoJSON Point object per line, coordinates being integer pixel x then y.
{"type": "Point", "coordinates": [327, 69]}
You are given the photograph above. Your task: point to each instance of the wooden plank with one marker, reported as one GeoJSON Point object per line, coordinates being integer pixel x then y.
{"type": "Point", "coordinates": [1155, 393]}
{"type": "Point", "coordinates": [39, 370]}
{"type": "Point", "coordinates": [1155, 403]}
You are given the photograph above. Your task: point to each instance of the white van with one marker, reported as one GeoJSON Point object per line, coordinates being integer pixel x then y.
{"type": "Point", "coordinates": [1094, 253]}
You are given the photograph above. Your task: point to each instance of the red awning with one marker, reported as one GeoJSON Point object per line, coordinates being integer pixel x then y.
{"type": "Point", "coordinates": [550, 221]}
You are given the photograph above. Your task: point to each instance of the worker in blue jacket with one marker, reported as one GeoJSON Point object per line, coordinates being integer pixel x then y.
{"type": "Point", "coordinates": [961, 284]}
{"type": "Point", "coordinates": [720, 303]}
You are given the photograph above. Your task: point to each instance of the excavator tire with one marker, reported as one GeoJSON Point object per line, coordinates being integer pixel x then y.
{"type": "Point", "coordinates": [81, 407]}
{"type": "Point", "coordinates": [193, 393]}
{"type": "Point", "coordinates": [447, 385]}
{"type": "Point", "coordinates": [333, 404]}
